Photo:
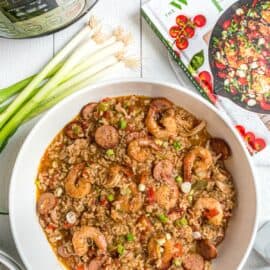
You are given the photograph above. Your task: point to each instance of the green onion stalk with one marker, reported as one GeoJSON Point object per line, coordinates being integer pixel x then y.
{"type": "Point", "coordinates": [88, 31]}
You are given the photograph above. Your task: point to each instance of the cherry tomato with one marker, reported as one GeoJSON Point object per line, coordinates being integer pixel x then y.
{"type": "Point", "coordinates": [243, 81]}
{"type": "Point", "coordinates": [199, 20]}
{"type": "Point", "coordinates": [181, 43]}
{"type": "Point", "coordinates": [174, 31]}
{"type": "Point", "coordinates": [241, 130]}
{"type": "Point", "coordinates": [181, 20]}
{"type": "Point", "coordinates": [189, 31]}
{"type": "Point", "coordinates": [265, 105]}
{"type": "Point", "coordinates": [220, 65]}
{"type": "Point", "coordinates": [258, 144]}
{"type": "Point", "coordinates": [249, 137]}
{"type": "Point", "coordinates": [222, 75]}
{"type": "Point", "coordinates": [212, 97]}
{"type": "Point", "coordinates": [205, 76]}
{"type": "Point", "coordinates": [226, 24]}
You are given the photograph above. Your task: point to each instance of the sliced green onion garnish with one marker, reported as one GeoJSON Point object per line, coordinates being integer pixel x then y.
{"type": "Point", "coordinates": [103, 106]}
{"type": "Point", "coordinates": [110, 197]}
{"type": "Point", "coordinates": [122, 123]}
{"type": "Point", "coordinates": [120, 249]}
{"type": "Point", "coordinates": [177, 262]}
{"type": "Point", "coordinates": [110, 153]}
{"type": "Point", "coordinates": [178, 179]}
{"type": "Point", "coordinates": [163, 218]}
{"type": "Point", "coordinates": [130, 237]}
{"type": "Point", "coordinates": [177, 145]}
{"type": "Point", "coordinates": [181, 222]}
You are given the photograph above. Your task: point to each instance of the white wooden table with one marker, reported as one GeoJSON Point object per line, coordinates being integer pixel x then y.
{"type": "Point", "coordinates": [21, 58]}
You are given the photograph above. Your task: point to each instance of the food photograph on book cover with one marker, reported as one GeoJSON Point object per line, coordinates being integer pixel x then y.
{"type": "Point", "coordinates": [226, 54]}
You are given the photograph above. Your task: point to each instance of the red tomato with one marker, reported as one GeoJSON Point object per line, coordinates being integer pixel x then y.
{"type": "Point", "coordinates": [80, 267]}
{"type": "Point", "coordinates": [181, 43]}
{"type": "Point", "coordinates": [151, 195]}
{"type": "Point", "coordinates": [199, 20]}
{"type": "Point", "coordinates": [265, 105]}
{"type": "Point", "coordinates": [249, 137]}
{"type": "Point", "coordinates": [174, 31]}
{"type": "Point", "coordinates": [178, 250]}
{"type": "Point", "coordinates": [258, 144]}
{"type": "Point", "coordinates": [103, 201]}
{"type": "Point", "coordinates": [205, 76]}
{"type": "Point", "coordinates": [243, 81]}
{"type": "Point", "coordinates": [220, 65]}
{"type": "Point", "coordinates": [181, 20]}
{"type": "Point", "coordinates": [241, 130]}
{"type": "Point", "coordinates": [189, 31]}
{"type": "Point", "coordinates": [222, 75]}
{"type": "Point", "coordinates": [51, 227]}
{"type": "Point", "coordinates": [211, 213]}
{"type": "Point", "coordinates": [226, 24]}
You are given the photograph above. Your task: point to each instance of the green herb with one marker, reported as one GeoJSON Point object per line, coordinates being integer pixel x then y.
{"type": "Point", "coordinates": [178, 179]}
{"type": "Point", "coordinates": [163, 218]}
{"type": "Point", "coordinates": [196, 62]}
{"type": "Point", "coordinates": [120, 249]}
{"type": "Point", "coordinates": [110, 197]}
{"type": "Point", "coordinates": [122, 123]}
{"type": "Point", "coordinates": [110, 153]}
{"type": "Point", "coordinates": [177, 145]}
{"type": "Point", "coordinates": [181, 222]}
{"type": "Point", "coordinates": [130, 237]}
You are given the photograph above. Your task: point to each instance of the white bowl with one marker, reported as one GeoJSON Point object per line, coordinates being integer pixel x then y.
{"type": "Point", "coordinates": [29, 237]}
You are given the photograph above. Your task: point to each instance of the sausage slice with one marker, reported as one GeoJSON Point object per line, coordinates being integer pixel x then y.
{"type": "Point", "coordinates": [107, 137]}
{"type": "Point", "coordinates": [193, 262]}
{"type": "Point", "coordinates": [87, 110]}
{"type": "Point", "coordinates": [207, 249]}
{"type": "Point", "coordinates": [219, 146]}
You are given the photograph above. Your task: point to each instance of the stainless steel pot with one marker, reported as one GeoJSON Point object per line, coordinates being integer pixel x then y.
{"type": "Point", "coordinates": [31, 18]}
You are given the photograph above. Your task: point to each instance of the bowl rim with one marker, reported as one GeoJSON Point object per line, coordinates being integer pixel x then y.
{"type": "Point", "coordinates": [135, 81]}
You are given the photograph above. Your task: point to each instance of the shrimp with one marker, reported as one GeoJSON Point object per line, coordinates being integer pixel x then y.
{"type": "Point", "coordinates": [80, 237]}
{"type": "Point", "coordinates": [200, 166]}
{"type": "Point", "coordinates": [163, 170]}
{"type": "Point", "coordinates": [131, 202]}
{"type": "Point", "coordinates": [167, 127]}
{"type": "Point", "coordinates": [82, 188]}
{"type": "Point", "coordinates": [167, 195]}
{"type": "Point", "coordinates": [95, 264]}
{"type": "Point", "coordinates": [211, 208]}
{"type": "Point", "coordinates": [138, 151]}
{"type": "Point", "coordinates": [165, 252]}
{"type": "Point", "coordinates": [116, 174]}
{"type": "Point", "coordinates": [46, 202]}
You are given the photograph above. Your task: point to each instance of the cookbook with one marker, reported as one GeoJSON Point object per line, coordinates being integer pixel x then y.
{"type": "Point", "coordinates": [223, 47]}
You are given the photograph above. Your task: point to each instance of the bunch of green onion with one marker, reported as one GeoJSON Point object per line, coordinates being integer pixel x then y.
{"type": "Point", "coordinates": [90, 55]}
